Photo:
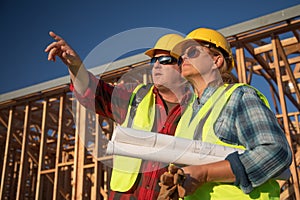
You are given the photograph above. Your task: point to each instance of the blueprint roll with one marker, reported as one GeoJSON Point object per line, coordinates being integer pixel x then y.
{"type": "Point", "coordinates": [169, 149]}
{"type": "Point", "coordinates": [164, 148]}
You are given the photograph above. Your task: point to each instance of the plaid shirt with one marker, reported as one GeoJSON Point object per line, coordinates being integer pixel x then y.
{"type": "Point", "coordinates": [111, 101]}
{"type": "Point", "coordinates": [247, 121]}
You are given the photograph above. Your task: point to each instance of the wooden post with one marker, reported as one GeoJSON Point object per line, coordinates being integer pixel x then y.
{"type": "Point", "coordinates": [240, 60]}
{"type": "Point", "coordinates": [24, 155]}
{"type": "Point", "coordinates": [62, 106]}
{"type": "Point", "coordinates": [79, 152]}
{"type": "Point", "coordinates": [40, 177]}
{"type": "Point", "coordinates": [6, 153]}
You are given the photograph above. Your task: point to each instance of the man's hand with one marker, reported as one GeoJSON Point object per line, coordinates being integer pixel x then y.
{"type": "Point", "coordinates": [64, 51]}
{"type": "Point", "coordinates": [78, 73]}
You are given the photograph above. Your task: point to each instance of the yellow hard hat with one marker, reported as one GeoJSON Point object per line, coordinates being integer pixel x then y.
{"type": "Point", "coordinates": [211, 36]}
{"type": "Point", "coordinates": [166, 43]}
{"type": "Point", "coordinates": [206, 35]}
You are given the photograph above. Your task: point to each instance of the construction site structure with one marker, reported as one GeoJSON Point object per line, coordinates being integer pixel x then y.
{"type": "Point", "coordinates": [51, 147]}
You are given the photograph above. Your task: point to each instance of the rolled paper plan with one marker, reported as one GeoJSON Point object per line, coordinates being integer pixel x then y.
{"type": "Point", "coordinates": [169, 149]}
{"type": "Point", "coordinates": [165, 148]}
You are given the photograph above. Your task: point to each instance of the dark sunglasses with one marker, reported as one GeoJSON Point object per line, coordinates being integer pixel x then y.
{"type": "Point", "coordinates": [164, 60]}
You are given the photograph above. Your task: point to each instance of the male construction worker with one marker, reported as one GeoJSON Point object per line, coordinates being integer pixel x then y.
{"type": "Point", "coordinates": [153, 107]}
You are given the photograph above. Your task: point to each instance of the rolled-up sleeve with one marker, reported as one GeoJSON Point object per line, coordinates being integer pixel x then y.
{"type": "Point", "coordinates": [87, 99]}
{"type": "Point", "coordinates": [105, 99]}
{"type": "Point", "coordinates": [249, 122]}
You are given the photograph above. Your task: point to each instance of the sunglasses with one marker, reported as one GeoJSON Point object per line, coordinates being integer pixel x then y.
{"type": "Point", "coordinates": [192, 52]}
{"type": "Point", "coordinates": [164, 60]}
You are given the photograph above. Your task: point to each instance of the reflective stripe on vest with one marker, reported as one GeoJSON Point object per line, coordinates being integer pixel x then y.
{"type": "Point", "coordinates": [201, 127]}
{"type": "Point", "coordinates": [126, 169]}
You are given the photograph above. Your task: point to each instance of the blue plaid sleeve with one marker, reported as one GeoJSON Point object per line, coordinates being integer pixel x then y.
{"type": "Point", "coordinates": [247, 121]}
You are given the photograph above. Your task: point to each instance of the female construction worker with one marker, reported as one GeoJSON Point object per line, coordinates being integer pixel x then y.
{"type": "Point", "coordinates": [229, 114]}
{"type": "Point", "coordinates": [149, 107]}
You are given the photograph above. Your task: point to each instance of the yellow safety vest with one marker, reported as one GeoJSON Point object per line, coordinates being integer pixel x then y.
{"type": "Point", "coordinates": [205, 119]}
{"type": "Point", "coordinates": [126, 169]}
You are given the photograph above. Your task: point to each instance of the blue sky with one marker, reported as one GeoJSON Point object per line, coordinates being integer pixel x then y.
{"type": "Point", "coordinates": [85, 24]}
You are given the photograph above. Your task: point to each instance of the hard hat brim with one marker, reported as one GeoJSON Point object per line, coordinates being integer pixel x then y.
{"type": "Point", "coordinates": [165, 43]}
{"type": "Point", "coordinates": [150, 52]}
{"type": "Point", "coordinates": [179, 48]}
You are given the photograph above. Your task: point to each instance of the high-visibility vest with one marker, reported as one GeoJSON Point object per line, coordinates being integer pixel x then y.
{"type": "Point", "coordinates": [202, 127]}
{"type": "Point", "coordinates": [126, 169]}
{"type": "Point", "coordinates": [140, 115]}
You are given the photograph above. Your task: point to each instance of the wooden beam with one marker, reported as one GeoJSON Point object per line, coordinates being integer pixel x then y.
{"type": "Point", "coordinates": [268, 47]}
{"type": "Point", "coordinates": [287, 67]}
{"type": "Point", "coordinates": [285, 116]}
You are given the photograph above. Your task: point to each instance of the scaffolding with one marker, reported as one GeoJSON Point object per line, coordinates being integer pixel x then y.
{"type": "Point", "coordinates": [45, 155]}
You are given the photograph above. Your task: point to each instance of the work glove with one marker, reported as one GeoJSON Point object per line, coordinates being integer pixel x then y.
{"type": "Point", "coordinates": [171, 184]}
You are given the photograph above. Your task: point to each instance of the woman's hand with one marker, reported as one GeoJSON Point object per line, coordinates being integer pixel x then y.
{"type": "Point", "coordinates": [197, 175]}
